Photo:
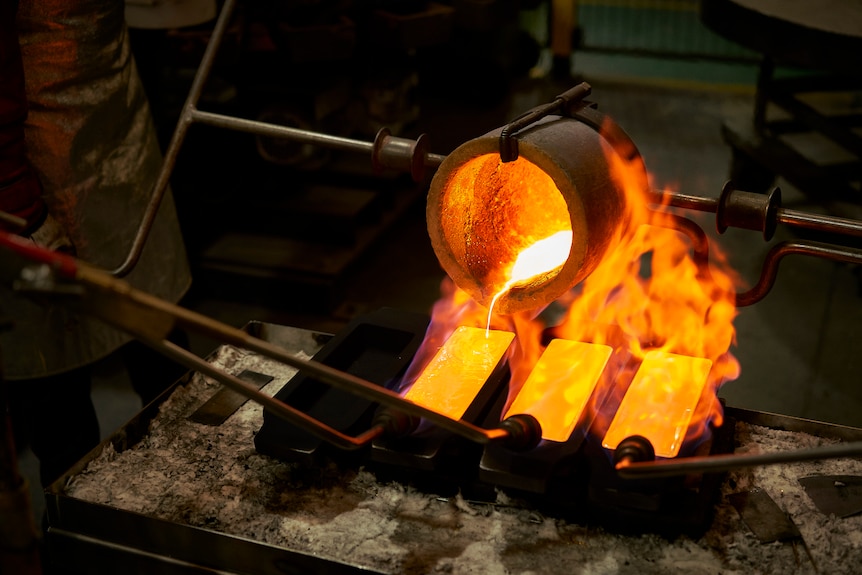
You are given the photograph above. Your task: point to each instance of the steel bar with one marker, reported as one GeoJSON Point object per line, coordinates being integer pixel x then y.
{"type": "Point", "coordinates": [719, 463]}
{"type": "Point", "coordinates": [190, 114]}
{"type": "Point", "coordinates": [684, 201]}
{"type": "Point", "coordinates": [296, 134]}
{"type": "Point", "coordinates": [434, 160]}
{"type": "Point", "coordinates": [179, 135]}
{"type": "Point", "coordinates": [819, 222]}
{"type": "Point", "coordinates": [276, 131]}
{"type": "Point", "coordinates": [150, 319]}
{"type": "Point", "coordinates": [508, 142]}
{"type": "Point", "coordinates": [351, 383]}
{"type": "Point", "coordinates": [791, 218]}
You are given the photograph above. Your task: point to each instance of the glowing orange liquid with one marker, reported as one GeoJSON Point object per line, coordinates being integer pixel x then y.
{"type": "Point", "coordinates": [541, 257]}
{"type": "Point", "coordinates": [459, 369]}
{"type": "Point", "coordinates": [558, 388]}
{"type": "Point", "coordinates": [660, 401]}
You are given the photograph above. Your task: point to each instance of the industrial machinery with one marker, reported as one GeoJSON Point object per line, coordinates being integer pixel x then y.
{"type": "Point", "coordinates": [608, 411]}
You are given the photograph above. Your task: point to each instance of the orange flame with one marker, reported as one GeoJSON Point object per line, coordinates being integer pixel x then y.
{"type": "Point", "coordinates": [653, 289]}
{"type": "Point", "coordinates": [650, 293]}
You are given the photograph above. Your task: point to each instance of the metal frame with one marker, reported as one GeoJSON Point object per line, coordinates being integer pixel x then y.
{"type": "Point", "coordinates": [386, 151]}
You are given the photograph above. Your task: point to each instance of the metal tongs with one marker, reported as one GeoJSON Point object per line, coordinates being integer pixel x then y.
{"type": "Point", "coordinates": [58, 278]}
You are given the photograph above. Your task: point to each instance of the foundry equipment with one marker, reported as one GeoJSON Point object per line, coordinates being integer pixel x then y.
{"type": "Point", "coordinates": [565, 144]}
{"type": "Point", "coordinates": [554, 170]}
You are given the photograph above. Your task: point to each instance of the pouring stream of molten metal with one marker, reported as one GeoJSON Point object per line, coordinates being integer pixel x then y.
{"type": "Point", "coordinates": [536, 260]}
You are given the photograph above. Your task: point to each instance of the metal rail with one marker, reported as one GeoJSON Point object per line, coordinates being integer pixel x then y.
{"type": "Point", "coordinates": [177, 139]}
{"type": "Point", "coordinates": [769, 270]}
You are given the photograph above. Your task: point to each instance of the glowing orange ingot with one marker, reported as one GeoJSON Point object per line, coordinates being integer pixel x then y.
{"type": "Point", "coordinates": [560, 384]}
{"type": "Point", "coordinates": [660, 401]}
{"type": "Point", "coordinates": [459, 369]}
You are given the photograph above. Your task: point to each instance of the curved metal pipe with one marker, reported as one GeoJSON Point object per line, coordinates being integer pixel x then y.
{"type": "Point", "coordinates": [699, 241]}
{"type": "Point", "coordinates": [799, 247]}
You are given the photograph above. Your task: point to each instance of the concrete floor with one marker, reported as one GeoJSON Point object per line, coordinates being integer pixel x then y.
{"type": "Point", "coordinates": [799, 348]}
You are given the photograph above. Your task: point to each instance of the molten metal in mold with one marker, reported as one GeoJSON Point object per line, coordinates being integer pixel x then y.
{"type": "Point", "coordinates": [557, 390]}
{"type": "Point", "coordinates": [660, 402]}
{"type": "Point", "coordinates": [453, 377]}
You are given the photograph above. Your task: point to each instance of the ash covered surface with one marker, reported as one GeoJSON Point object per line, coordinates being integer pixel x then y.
{"type": "Point", "coordinates": [212, 478]}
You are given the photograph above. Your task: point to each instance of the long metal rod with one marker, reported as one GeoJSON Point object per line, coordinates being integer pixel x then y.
{"type": "Point", "coordinates": [718, 463]}
{"type": "Point", "coordinates": [150, 319]}
{"type": "Point", "coordinates": [276, 131]}
{"type": "Point", "coordinates": [297, 134]}
{"type": "Point", "coordinates": [190, 114]}
{"type": "Point", "coordinates": [819, 222]}
{"type": "Point", "coordinates": [170, 158]}
{"type": "Point", "coordinates": [791, 218]}
{"type": "Point", "coordinates": [345, 381]}
{"type": "Point", "coordinates": [12, 221]}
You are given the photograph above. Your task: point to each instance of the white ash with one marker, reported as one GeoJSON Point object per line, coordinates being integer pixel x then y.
{"type": "Point", "coordinates": [212, 477]}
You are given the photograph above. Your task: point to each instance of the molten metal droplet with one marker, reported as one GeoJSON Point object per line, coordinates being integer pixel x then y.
{"type": "Point", "coordinates": [542, 257]}
{"type": "Point", "coordinates": [535, 261]}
